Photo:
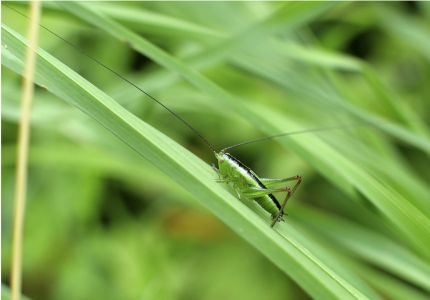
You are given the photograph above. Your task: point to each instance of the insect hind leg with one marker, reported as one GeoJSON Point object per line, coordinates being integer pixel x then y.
{"type": "Point", "coordinates": [268, 182]}
{"type": "Point", "coordinates": [290, 192]}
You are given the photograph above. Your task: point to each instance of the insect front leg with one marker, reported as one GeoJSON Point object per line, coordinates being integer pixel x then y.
{"type": "Point", "coordinates": [220, 179]}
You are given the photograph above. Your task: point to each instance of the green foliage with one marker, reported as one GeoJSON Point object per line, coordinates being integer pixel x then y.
{"type": "Point", "coordinates": [117, 208]}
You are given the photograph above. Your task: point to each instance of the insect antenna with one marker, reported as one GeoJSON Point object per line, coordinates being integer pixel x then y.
{"type": "Point", "coordinates": [80, 51]}
{"type": "Point", "coordinates": [271, 137]}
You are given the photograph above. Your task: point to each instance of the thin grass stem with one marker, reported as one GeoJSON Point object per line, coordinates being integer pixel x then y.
{"type": "Point", "coordinates": [22, 155]}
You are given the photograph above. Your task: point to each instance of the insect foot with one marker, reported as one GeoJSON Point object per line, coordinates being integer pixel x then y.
{"type": "Point", "coordinates": [279, 217]}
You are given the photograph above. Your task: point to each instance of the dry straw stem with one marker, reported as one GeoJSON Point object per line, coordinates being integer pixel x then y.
{"type": "Point", "coordinates": [22, 155]}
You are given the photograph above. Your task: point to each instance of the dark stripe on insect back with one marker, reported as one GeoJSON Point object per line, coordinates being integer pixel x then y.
{"type": "Point", "coordinates": [260, 184]}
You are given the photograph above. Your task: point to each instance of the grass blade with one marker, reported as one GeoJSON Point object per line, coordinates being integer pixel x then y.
{"type": "Point", "coordinates": [410, 221]}
{"type": "Point", "coordinates": [318, 279]}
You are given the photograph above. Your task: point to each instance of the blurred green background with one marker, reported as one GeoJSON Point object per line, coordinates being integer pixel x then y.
{"type": "Point", "coordinates": [103, 223]}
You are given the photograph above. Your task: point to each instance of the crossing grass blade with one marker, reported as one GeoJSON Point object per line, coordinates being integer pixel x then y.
{"type": "Point", "coordinates": [368, 245]}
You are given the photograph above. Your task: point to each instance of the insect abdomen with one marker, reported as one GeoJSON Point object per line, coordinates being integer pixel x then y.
{"type": "Point", "coordinates": [267, 204]}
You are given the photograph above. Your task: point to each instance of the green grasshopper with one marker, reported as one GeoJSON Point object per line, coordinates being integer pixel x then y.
{"type": "Point", "coordinates": [249, 186]}
{"type": "Point", "coordinates": [230, 170]}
